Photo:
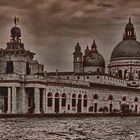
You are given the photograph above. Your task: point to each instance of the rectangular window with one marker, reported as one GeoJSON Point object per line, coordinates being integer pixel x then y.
{"type": "Point", "coordinates": [68, 107]}
{"type": "Point", "coordinates": [49, 102]}
{"type": "Point", "coordinates": [63, 102]}
{"type": "Point", "coordinates": [28, 71]}
{"type": "Point", "coordinates": [73, 102]}
{"type": "Point", "coordinates": [9, 67]}
{"type": "Point", "coordinates": [85, 102]}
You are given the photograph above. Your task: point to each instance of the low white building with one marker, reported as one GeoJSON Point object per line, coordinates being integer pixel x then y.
{"type": "Point", "coordinates": [26, 88]}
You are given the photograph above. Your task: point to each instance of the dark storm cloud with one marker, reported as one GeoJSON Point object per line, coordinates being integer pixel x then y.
{"type": "Point", "coordinates": [105, 5]}
{"type": "Point", "coordinates": [24, 4]}
{"type": "Point", "coordinates": [52, 27]}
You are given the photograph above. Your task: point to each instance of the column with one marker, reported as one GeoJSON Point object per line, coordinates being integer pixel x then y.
{"type": "Point", "coordinates": [76, 111]}
{"type": "Point", "coordinates": [37, 100]}
{"type": "Point", "coordinates": [44, 100]}
{"type": "Point", "coordinates": [14, 100]}
{"type": "Point", "coordinates": [24, 102]}
{"type": "Point", "coordinates": [82, 103]}
{"type": "Point", "coordinates": [9, 100]}
{"type": "Point", "coordinates": [60, 103]}
{"type": "Point", "coordinates": [53, 103]}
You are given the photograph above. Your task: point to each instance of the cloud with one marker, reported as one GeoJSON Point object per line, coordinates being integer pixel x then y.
{"type": "Point", "coordinates": [55, 26]}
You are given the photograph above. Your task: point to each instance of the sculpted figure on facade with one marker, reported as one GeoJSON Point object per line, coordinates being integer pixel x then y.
{"type": "Point", "coordinates": [136, 75]}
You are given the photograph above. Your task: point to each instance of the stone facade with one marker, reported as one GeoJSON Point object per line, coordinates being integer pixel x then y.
{"type": "Point", "coordinates": [26, 88]}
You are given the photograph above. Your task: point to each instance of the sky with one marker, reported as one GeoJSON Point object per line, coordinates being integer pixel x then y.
{"type": "Point", "coordinates": [51, 28]}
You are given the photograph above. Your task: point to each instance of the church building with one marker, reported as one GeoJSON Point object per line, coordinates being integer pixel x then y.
{"type": "Point", "coordinates": [25, 87]}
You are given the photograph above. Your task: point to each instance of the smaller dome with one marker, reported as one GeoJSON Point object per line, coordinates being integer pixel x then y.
{"type": "Point", "coordinates": [95, 59]}
{"type": "Point", "coordinates": [87, 51]}
{"type": "Point", "coordinates": [129, 26]}
{"type": "Point", "coordinates": [15, 32]}
{"type": "Point", "coordinates": [78, 47]}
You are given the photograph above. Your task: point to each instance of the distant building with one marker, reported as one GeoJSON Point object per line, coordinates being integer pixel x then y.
{"type": "Point", "coordinates": [26, 88]}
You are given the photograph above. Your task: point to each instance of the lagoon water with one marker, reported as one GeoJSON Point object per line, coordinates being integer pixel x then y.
{"type": "Point", "coordinates": [91, 128]}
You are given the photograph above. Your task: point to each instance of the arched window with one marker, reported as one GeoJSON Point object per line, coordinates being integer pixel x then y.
{"type": "Point", "coordinates": [120, 74]}
{"type": "Point", "coordinates": [95, 96]}
{"type": "Point", "coordinates": [124, 98]}
{"type": "Point", "coordinates": [136, 99]}
{"type": "Point", "coordinates": [63, 100]}
{"type": "Point", "coordinates": [50, 99]}
{"type": "Point", "coordinates": [74, 100]}
{"type": "Point", "coordinates": [57, 95]}
{"type": "Point", "coordinates": [98, 70]}
{"type": "Point", "coordinates": [110, 97]}
{"type": "Point", "coordinates": [85, 101]}
{"type": "Point", "coordinates": [79, 96]}
{"type": "Point", "coordinates": [136, 109]}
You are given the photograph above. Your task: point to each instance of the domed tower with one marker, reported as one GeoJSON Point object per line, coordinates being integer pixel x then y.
{"type": "Point", "coordinates": [15, 41]}
{"type": "Point", "coordinates": [77, 59]}
{"type": "Point", "coordinates": [15, 59]}
{"type": "Point", "coordinates": [93, 61]}
{"type": "Point", "coordinates": [125, 58]}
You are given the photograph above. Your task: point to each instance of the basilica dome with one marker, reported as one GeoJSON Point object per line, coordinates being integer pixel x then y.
{"type": "Point", "coordinates": [126, 49]}
{"type": "Point", "coordinates": [129, 47]}
{"type": "Point", "coordinates": [95, 60]}
{"type": "Point", "coordinates": [92, 58]}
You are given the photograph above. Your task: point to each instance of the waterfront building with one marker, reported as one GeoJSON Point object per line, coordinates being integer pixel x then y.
{"type": "Point", "coordinates": [25, 87]}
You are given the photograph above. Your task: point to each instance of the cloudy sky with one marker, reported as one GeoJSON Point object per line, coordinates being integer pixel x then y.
{"type": "Point", "coordinates": [51, 28]}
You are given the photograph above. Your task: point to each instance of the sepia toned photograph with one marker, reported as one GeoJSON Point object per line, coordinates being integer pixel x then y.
{"type": "Point", "coordinates": [70, 70]}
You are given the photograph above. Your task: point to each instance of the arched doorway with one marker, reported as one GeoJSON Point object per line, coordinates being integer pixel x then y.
{"type": "Point", "coordinates": [63, 103]}
{"type": "Point", "coordinates": [136, 106]}
{"type": "Point", "coordinates": [95, 107]}
{"type": "Point", "coordinates": [49, 100]}
{"type": "Point", "coordinates": [79, 104]}
{"type": "Point", "coordinates": [110, 107]}
{"type": "Point", "coordinates": [95, 97]}
{"type": "Point", "coordinates": [110, 104]}
{"type": "Point", "coordinates": [85, 101]}
{"type": "Point", "coordinates": [74, 100]}
{"type": "Point", "coordinates": [125, 72]}
{"type": "Point", "coordinates": [3, 99]}
{"type": "Point", "coordinates": [31, 102]}
{"type": "Point", "coordinates": [56, 103]}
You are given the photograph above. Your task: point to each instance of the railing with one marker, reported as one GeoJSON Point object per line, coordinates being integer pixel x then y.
{"type": "Point", "coordinates": [10, 77]}
{"type": "Point", "coordinates": [107, 80]}
{"type": "Point", "coordinates": [101, 79]}
{"type": "Point", "coordinates": [42, 78]}
{"type": "Point", "coordinates": [55, 80]}
{"type": "Point", "coordinates": [67, 81]}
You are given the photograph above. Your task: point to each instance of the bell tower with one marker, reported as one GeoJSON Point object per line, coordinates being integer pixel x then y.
{"type": "Point", "coordinates": [94, 47]}
{"type": "Point", "coordinates": [77, 59]}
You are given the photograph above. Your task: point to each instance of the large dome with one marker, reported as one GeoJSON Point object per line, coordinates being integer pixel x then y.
{"type": "Point", "coordinates": [126, 49]}
{"type": "Point", "coordinates": [95, 59]}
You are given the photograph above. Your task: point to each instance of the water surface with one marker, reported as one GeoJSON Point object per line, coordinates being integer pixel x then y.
{"type": "Point", "coordinates": [91, 128]}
